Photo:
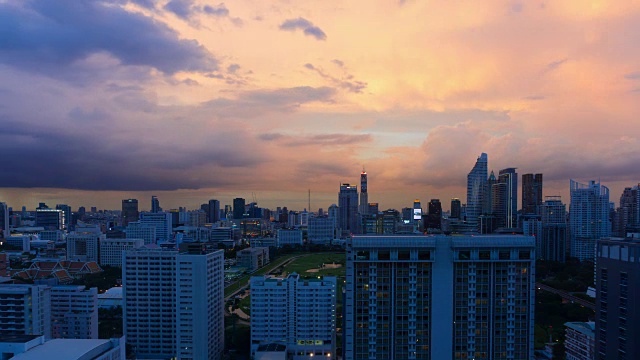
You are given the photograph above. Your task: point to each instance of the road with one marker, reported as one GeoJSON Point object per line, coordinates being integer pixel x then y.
{"type": "Point", "coordinates": [565, 295]}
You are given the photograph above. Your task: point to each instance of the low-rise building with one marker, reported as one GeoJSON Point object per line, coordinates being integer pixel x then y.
{"type": "Point", "coordinates": [580, 343]}
{"type": "Point", "coordinates": [253, 258]}
{"type": "Point", "coordinates": [289, 237]}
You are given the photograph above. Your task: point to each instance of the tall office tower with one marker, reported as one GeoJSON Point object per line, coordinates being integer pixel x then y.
{"type": "Point", "coordinates": [407, 214]}
{"type": "Point", "coordinates": [26, 310]}
{"type": "Point", "coordinates": [434, 215]}
{"type": "Point", "coordinates": [66, 215]}
{"type": "Point", "coordinates": [161, 221]}
{"type": "Point", "coordinates": [84, 245]}
{"type": "Point", "coordinates": [334, 214]}
{"type": "Point", "coordinates": [129, 211]}
{"type": "Point", "coordinates": [214, 211]}
{"type": "Point", "coordinates": [49, 219]}
{"type": "Point", "coordinates": [155, 204]}
{"type": "Point", "coordinates": [588, 218]}
{"type": "Point", "coordinates": [531, 193]}
{"type": "Point", "coordinates": [348, 208]}
{"type": "Point", "coordinates": [505, 198]}
{"type": "Point", "coordinates": [553, 240]}
{"type": "Point", "coordinates": [629, 211]}
{"type": "Point", "coordinates": [238, 208]}
{"type": "Point", "coordinates": [74, 312]}
{"type": "Point", "coordinates": [4, 220]}
{"type": "Point", "coordinates": [174, 302]}
{"type": "Point", "coordinates": [364, 195]}
{"type": "Point", "coordinates": [299, 312]}
{"type": "Point", "coordinates": [487, 203]}
{"type": "Point", "coordinates": [476, 189]}
{"type": "Point", "coordinates": [147, 233]}
{"type": "Point", "coordinates": [617, 294]}
{"type": "Point", "coordinates": [455, 208]}
{"type": "Point", "coordinates": [439, 297]}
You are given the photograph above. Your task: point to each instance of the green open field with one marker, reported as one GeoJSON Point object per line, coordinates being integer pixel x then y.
{"type": "Point", "coordinates": [315, 261]}
{"type": "Point", "coordinates": [266, 269]}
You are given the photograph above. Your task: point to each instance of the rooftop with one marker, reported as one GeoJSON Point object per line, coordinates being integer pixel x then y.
{"type": "Point", "coordinates": [18, 338]}
{"type": "Point", "coordinates": [66, 349]}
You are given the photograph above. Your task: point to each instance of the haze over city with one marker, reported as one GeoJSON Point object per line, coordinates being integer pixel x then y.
{"type": "Point", "coordinates": [107, 100]}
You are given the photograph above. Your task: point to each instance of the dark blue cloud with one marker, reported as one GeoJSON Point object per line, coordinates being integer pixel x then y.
{"type": "Point", "coordinates": [218, 10]}
{"type": "Point", "coordinates": [51, 37]}
{"type": "Point", "coordinates": [305, 25]}
{"type": "Point", "coordinates": [181, 8]}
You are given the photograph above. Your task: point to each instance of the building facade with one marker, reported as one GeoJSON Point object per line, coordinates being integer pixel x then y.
{"type": "Point", "coordinates": [617, 293]}
{"type": "Point", "coordinates": [74, 312]}
{"type": "Point", "coordinates": [579, 343]}
{"type": "Point", "coordinates": [348, 209]}
{"type": "Point", "coordinates": [289, 237]}
{"type": "Point", "coordinates": [553, 240]}
{"type": "Point", "coordinates": [174, 303]}
{"type": "Point", "coordinates": [588, 218]}
{"type": "Point", "coordinates": [129, 211]}
{"type": "Point", "coordinates": [439, 297]}
{"type": "Point", "coordinates": [111, 250]}
{"type": "Point", "coordinates": [84, 246]}
{"type": "Point", "coordinates": [146, 232]}
{"type": "Point", "coordinates": [161, 221]}
{"type": "Point", "coordinates": [299, 313]}
{"type": "Point", "coordinates": [531, 193]}
{"type": "Point", "coordinates": [25, 310]}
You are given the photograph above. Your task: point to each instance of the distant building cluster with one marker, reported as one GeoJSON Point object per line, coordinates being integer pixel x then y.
{"type": "Point", "coordinates": [421, 282]}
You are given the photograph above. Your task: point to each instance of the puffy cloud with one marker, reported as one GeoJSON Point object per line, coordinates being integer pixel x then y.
{"type": "Point", "coordinates": [305, 25]}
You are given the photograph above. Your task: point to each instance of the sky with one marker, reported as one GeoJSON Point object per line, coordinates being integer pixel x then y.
{"type": "Point", "coordinates": [102, 100]}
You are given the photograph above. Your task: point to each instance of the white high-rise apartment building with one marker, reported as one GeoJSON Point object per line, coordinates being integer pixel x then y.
{"type": "Point", "coordinates": [84, 246]}
{"type": "Point", "coordinates": [111, 250]}
{"type": "Point", "coordinates": [174, 302]}
{"type": "Point", "coordinates": [439, 297]}
{"type": "Point", "coordinates": [161, 221]}
{"type": "Point", "coordinates": [301, 313]}
{"type": "Point", "coordinates": [135, 230]}
{"type": "Point", "coordinates": [74, 312]}
{"type": "Point", "coordinates": [588, 218]}
{"type": "Point", "coordinates": [25, 309]}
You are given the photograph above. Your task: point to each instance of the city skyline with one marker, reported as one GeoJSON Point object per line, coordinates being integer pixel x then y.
{"type": "Point", "coordinates": [222, 100]}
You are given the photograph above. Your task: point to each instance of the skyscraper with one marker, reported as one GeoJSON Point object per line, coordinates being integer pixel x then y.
{"type": "Point", "coordinates": [4, 220]}
{"type": "Point", "coordinates": [50, 219]}
{"type": "Point", "coordinates": [476, 189]}
{"type": "Point", "coordinates": [628, 214]}
{"type": "Point", "coordinates": [439, 297]}
{"type": "Point", "coordinates": [434, 215]}
{"type": "Point", "coordinates": [364, 196]}
{"type": "Point", "coordinates": [348, 208]}
{"type": "Point", "coordinates": [455, 208]}
{"type": "Point", "coordinates": [588, 217]}
{"type": "Point", "coordinates": [174, 302]}
{"type": "Point", "coordinates": [238, 208]}
{"type": "Point", "coordinates": [505, 198]}
{"type": "Point", "coordinates": [155, 205]}
{"type": "Point", "coordinates": [553, 241]}
{"type": "Point", "coordinates": [617, 294]}
{"type": "Point", "coordinates": [531, 193]}
{"type": "Point", "coordinates": [66, 215]}
{"type": "Point", "coordinates": [129, 211]}
{"type": "Point", "coordinates": [214, 211]}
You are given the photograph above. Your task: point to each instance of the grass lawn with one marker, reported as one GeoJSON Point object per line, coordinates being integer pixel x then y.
{"type": "Point", "coordinates": [315, 261]}
{"type": "Point", "coordinates": [245, 305]}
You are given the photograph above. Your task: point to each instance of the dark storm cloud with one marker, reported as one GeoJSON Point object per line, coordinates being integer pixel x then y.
{"type": "Point", "coordinates": [46, 157]}
{"type": "Point", "coordinates": [306, 26]}
{"type": "Point", "coordinates": [50, 37]}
